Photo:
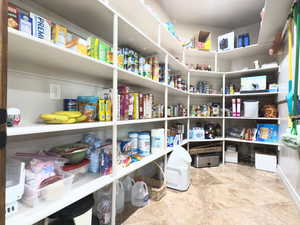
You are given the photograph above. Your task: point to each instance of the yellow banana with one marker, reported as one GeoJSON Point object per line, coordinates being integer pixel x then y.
{"type": "Point", "coordinates": [47, 117]}
{"type": "Point", "coordinates": [70, 114]}
{"type": "Point", "coordinates": [72, 120]}
{"type": "Point", "coordinates": [81, 118]}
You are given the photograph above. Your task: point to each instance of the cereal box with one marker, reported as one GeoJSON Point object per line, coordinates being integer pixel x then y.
{"type": "Point", "coordinates": [41, 27]}
{"type": "Point", "coordinates": [76, 44]}
{"type": "Point", "coordinates": [13, 16]}
{"type": "Point", "coordinates": [59, 35]}
{"type": "Point", "coordinates": [102, 110]}
{"type": "Point", "coordinates": [25, 22]}
{"type": "Point", "coordinates": [108, 110]}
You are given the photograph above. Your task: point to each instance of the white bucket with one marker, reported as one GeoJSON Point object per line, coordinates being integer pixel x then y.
{"type": "Point", "coordinates": [251, 108]}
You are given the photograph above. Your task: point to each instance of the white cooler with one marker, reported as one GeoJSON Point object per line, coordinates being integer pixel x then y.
{"type": "Point", "coordinates": [178, 169]}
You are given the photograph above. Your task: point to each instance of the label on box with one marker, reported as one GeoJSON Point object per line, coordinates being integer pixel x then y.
{"type": "Point", "coordinates": [41, 27]}
{"type": "Point", "coordinates": [12, 15]}
{"type": "Point", "coordinates": [25, 23]}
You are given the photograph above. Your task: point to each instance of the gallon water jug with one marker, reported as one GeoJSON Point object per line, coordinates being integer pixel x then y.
{"type": "Point", "coordinates": [139, 194]}
{"type": "Point", "coordinates": [120, 197]}
{"type": "Point", "coordinates": [103, 210]}
{"type": "Point", "coordinates": [128, 183]}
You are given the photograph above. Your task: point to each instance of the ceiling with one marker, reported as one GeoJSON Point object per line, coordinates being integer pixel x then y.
{"type": "Point", "coordinates": [215, 13]}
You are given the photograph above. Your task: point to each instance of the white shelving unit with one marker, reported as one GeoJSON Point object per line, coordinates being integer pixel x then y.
{"type": "Point", "coordinates": [119, 31]}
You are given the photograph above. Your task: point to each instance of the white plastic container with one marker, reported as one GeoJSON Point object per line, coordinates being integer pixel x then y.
{"type": "Point", "coordinates": [265, 162]}
{"type": "Point", "coordinates": [139, 194]}
{"type": "Point", "coordinates": [32, 197]}
{"type": "Point", "coordinates": [157, 140]}
{"type": "Point", "coordinates": [251, 108]}
{"type": "Point", "coordinates": [231, 156]}
{"type": "Point", "coordinates": [144, 143]}
{"type": "Point", "coordinates": [178, 169]}
{"type": "Point", "coordinates": [120, 197]}
{"type": "Point", "coordinates": [128, 183]}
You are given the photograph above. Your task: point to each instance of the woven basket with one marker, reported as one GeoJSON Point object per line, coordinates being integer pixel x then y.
{"type": "Point", "coordinates": [209, 148]}
{"type": "Point", "coordinates": [157, 188]}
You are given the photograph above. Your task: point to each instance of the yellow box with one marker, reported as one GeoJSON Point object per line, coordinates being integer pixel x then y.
{"type": "Point", "coordinates": [102, 110]}
{"type": "Point", "coordinates": [76, 44]}
{"type": "Point", "coordinates": [136, 107]}
{"type": "Point", "coordinates": [59, 35]}
{"type": "Point", "coordinates": [203, 41]}
{"type": "Point", "coordinates": [108, 110]}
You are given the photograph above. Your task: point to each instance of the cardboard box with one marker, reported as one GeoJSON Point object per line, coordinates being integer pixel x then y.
{"type": "Point", "coordinates": [226, 42]}
{"type": "Point", "coordinates": [76, 43]}
{"type": "Point", "coordinates": [13, 16]}
{"type": "Point", "coordinates": [59, 35]}
{"type": "Point", "coordinates": [203, 40]}
{"type": "Point", "coordinates": [25, 22]}
{"type": "Point", "coordinates": [41, 27]}
{"type": "Point", "coordinates": [253, 84]}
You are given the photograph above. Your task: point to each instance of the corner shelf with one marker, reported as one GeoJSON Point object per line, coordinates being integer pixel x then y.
{"type": "Point", "coordinates": [251, 118]}
{"type": "Point", "coordinates": [251, 142]}
{"type": "Point", "coordinates": [253, 94]}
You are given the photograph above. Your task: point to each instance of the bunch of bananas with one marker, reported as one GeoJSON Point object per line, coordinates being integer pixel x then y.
{"type": "Point", "coordinates": [63, 117]}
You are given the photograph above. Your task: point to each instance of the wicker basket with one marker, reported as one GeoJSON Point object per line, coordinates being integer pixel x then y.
{"type": "Point", "coordinates": [209, 148]}
{"type": "Point", "coordinates": [157, 188]}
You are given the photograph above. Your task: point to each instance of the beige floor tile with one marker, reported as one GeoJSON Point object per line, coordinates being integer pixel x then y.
{"type": "Point", "coordinates": [226, 195]}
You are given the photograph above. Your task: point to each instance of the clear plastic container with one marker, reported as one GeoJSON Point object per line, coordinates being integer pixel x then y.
{"type": "Point", "coordinates": [77, 170]}
{"type": "Point", "coordinates": [32, 196]}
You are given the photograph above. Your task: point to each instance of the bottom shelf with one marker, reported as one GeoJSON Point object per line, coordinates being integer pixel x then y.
{"type": "Point", "coordinates": [86, 185]}
{"type": "Point", "coordinates": [83, 187]}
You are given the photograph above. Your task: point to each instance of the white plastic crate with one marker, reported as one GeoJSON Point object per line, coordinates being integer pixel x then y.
{"type": "Point", "coordinates": [265, 162]}
{"type": "Point", "coordinates": [32, 197]}
{"type": "Point", "coordinates": [231, 157]}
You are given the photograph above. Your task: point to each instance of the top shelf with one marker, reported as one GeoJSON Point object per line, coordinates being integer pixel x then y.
{"type": "Point", "coordinates": [252, 50]}
{"type": "Point", "coordinates": [93, 11]}
{"type": "Point", "coordinates": [274, 19]}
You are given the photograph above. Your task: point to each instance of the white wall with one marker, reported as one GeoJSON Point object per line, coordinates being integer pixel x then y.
{"type": "Point", "coordinates": [289, 159]}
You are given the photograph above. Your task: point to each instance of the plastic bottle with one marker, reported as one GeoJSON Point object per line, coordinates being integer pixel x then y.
{"type": "Point", "coordinates": [139, 194]}
{"type": "Point", "coordinates": [144, 143]}
{"type": "Point", "coordinates": [103, 207]}
{"type": "Point", "coordinates": [128, 183]}
{"type": "Point", "coordinates": [120, 197]}
{"type": "Point", "coordinates": [157, 140]}
{"type": "Point", "coordinates": [133, 138]}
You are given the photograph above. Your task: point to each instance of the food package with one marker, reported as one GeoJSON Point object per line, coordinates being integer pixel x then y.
{"type": "Point", "coordinates": [108, 110]}
{"type": "Point", "coordinates": [59, 35]}
{"type": "Point", "coordinates": [76, 43]}
{"type": "Point", "coordinates": [88, 105]}
{"type": "Point", "coordinates": [102, 107]}
{"type": "Point", "coordinates": [103, 48]}
{"type": "Point", "coordinates": [124, 106]}
{"type": "Point", "coordinates": [41, 27]}
{"type": "Point", "coordinates": [130, 106]}
{"type": "Point", "coordinates": [13, 16]}
{"type": "Point", "coordinates": [92, 47]}
{"type": "Point", "coordinates": [135, 106]}
{"type": "Point", "coordinates": [25, 22]}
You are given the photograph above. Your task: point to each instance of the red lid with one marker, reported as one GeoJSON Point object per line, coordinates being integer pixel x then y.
{"type": "Point", "coordinates": [69, 167]}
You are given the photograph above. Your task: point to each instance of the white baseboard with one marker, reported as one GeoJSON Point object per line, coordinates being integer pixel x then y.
{"type": "Point", "coordinates": [295, 196]}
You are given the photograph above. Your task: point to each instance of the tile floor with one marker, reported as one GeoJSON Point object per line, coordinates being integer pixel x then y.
{"type": "Point", "coordinates": [226, 195]}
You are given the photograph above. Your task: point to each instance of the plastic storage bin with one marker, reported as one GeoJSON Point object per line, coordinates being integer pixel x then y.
{"type": "Point", "coordinates": [32, 197]}
{"type": "Point", "coordinates": [265, 162]}
{"type": "Point", "coordinates": [251, 108]}
{"type": "Point", "coordinates": [231, 157]}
